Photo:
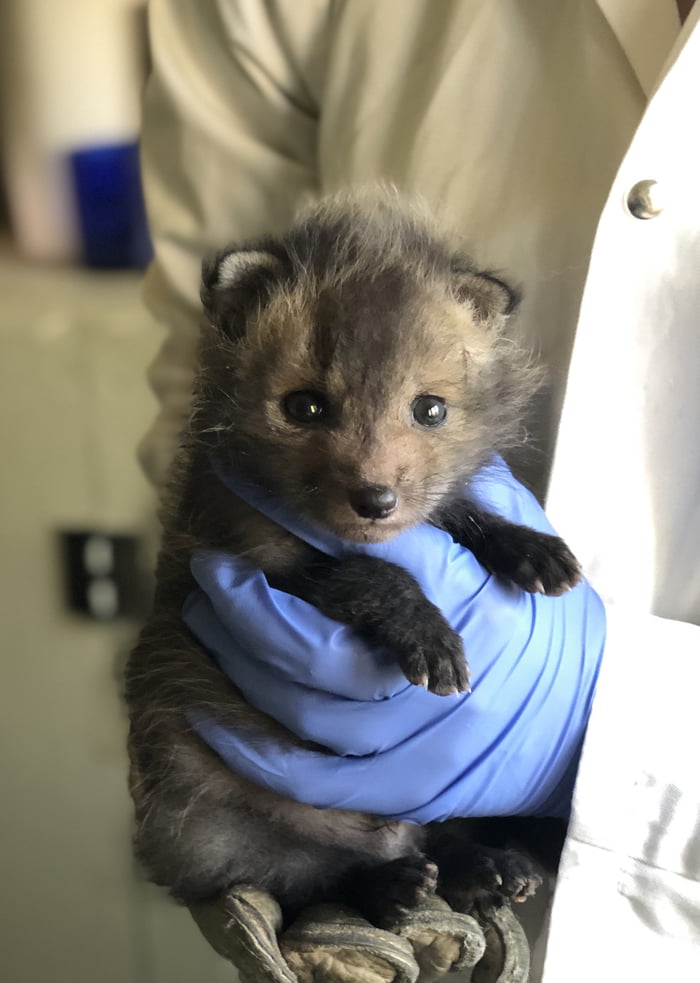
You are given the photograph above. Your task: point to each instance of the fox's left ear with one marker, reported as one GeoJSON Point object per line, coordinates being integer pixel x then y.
{"type": "Point", "coordinates": [488, 295]}
{"type": "Point", "coordinates": [234, 282]}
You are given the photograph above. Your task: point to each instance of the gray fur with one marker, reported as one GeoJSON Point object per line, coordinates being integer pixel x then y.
{"type": "Point", "coordinates": [366, 303]}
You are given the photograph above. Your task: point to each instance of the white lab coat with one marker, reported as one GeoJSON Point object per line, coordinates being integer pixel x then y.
{"type": "Point", "coordinates": [625, 491]}
{"type": "Point", "coordinates": [511, 118]}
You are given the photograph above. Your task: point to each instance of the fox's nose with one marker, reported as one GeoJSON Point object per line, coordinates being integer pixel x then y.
{"type": "Point", "coordinates": [373, 501]}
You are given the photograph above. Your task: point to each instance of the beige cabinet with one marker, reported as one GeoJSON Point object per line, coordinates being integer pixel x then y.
{"type": "Point", "coordinates": [73, 404]}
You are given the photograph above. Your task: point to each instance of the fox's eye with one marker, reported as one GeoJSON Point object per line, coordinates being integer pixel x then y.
{"type": "Point", "coordinates": [429, 411]}
{"type": "Point", "coordinates": [305, 406]}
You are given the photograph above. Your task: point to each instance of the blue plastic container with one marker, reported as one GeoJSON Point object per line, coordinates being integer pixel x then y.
{"type": "Point", "coordinates": [111, 213]}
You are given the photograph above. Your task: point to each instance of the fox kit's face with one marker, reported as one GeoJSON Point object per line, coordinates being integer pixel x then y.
{"type": "Point", "coordinates": [360, 397]}
{"type": "Point", "coordinates": [352, 405]}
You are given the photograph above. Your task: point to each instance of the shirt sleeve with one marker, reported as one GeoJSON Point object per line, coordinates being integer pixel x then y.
{"type": "Point", "coordinates": [229, 149]}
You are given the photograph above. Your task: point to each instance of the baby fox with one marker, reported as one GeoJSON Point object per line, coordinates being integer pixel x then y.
{"type": "Point", "coordinates": [357, 368]}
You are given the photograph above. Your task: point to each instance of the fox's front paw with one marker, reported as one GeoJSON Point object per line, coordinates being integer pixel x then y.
{"type": "Point", "coordinates": [535, 561]}
{"type": "Point", "coordinates": [432, 656]}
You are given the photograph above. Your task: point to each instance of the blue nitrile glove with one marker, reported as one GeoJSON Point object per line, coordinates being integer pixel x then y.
{"type": "Point", "coordinates": [509, 748]}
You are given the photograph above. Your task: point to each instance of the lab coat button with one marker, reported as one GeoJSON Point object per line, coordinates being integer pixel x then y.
{"type": "Point", "coordinates": [645, 199]}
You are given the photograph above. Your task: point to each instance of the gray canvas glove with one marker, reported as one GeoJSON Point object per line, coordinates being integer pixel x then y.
{"type": "Point", "coordinates": [334, 944]}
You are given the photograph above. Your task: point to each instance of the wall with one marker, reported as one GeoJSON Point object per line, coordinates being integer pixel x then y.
{"type": "Point", "coordinates": [73, 404]}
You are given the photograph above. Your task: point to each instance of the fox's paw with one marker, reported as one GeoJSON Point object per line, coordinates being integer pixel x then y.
{"type": "Point", "coordinates": [491, 876]}
{"type": "Point", "coordinates": [398, 886]}
{"type": "Point", "coordinates": [433, 656]}
{"type": "Point", "coordinates": [535, 561]}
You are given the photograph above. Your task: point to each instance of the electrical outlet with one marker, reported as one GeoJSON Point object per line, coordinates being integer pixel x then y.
{"type": "Point", "coordinates": [102, 574]}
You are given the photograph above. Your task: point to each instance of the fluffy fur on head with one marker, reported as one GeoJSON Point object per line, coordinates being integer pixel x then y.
{"type": "Point", "coordinates": [364, 304]}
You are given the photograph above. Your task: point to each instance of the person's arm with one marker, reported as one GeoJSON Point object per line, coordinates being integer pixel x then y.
{"type": "Point", "coordinates": [228, 151]}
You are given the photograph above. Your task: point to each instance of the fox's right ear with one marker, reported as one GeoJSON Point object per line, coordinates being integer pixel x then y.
{"type": "Point", "coordinates": [489, 296]}
{"type": "Point", "coordinates": [234, 282]}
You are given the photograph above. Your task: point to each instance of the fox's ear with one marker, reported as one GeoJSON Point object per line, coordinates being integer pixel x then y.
{"type": "Point", "coordinates": [489, 296]}
{"type": "Point", "coordinates": [234, 282]}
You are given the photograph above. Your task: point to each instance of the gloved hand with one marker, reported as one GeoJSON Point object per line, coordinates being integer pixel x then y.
{"type": "Point", "coordinates": [508, 748]}
{"type": "Point", "coordinates": [336, 944]}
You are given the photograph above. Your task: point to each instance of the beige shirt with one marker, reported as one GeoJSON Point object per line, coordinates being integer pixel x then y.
{"type": "Point", "coordinates": [509, 117]}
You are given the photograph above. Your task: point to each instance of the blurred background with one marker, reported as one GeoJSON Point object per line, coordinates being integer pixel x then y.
{"type": "Point", "coordinates": [76, 514]}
